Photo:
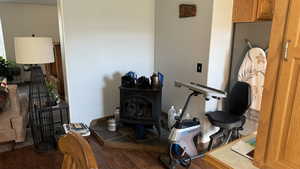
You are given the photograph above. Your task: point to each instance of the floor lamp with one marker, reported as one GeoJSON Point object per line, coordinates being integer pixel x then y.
{"type": "Point", "coordinates": [35, 51]}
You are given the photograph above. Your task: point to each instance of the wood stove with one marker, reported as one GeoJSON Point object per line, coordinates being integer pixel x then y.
{"type": "Point", "coordinates": [140, 106]}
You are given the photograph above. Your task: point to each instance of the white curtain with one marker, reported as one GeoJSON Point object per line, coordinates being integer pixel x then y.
{"type": "Point", "coordinates": [2, 46]}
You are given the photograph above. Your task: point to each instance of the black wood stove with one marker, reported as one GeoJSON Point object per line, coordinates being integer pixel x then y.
{"type": "Point", "coordinates": [140, 107]}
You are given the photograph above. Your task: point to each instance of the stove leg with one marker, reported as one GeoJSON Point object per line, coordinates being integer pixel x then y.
{"type": "Point", "coordinates": [158, 127]}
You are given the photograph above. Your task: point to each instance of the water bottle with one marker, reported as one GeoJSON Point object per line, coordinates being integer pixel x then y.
{"type": "Point", "coordinates": [179, 113]}
{"type": "Point", "coordinates": [188, 116]}
{"type": "Point", "coordinates": [171, 116]}
{"type": "Point", "coordinates": [117, 114]}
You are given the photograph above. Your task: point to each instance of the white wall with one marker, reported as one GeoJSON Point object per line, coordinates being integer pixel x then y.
{"type": "Point", "coordinates": [220, 49]}
{"type": "Point", "coordinates": [102, 41]}
{"type": "Point", "coordinates": [102, 44]}
{"type": "Point", "coordinates": [180, 45]}
{"type": "Point", "coordinates": [25, 20]}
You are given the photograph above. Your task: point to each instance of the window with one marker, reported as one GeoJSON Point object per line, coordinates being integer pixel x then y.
{"type": "Point", "coordinates": [2, 46]}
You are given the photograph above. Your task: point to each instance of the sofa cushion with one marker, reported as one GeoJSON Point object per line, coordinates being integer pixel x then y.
{"type": "Point", "coordinates": [19, 125]}
{"type": "Point", "coordinates": [3, 84]}
{"type": "Point", "coordinates": [11, 109]}
{"type": "Point", "coordinates": [3, 100]}
{"type": "Point", "coordinates": [7, 135]}
{"type": "Point", "coordinates": [5, 123]}
{"type": "Point", "coordinates": [13, 105]}
{"type": "Point", "coordinates": [13, 120]}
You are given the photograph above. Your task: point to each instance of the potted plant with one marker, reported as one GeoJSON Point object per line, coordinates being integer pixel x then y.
{"type": "Point", "coordinates": [3, 67]}
{"type": "Point", "coordinates": [13, 70]}
{"type": "Point", "coordinates": [54, 97]}
{"type": "Point", "coordinates": [9, 69]}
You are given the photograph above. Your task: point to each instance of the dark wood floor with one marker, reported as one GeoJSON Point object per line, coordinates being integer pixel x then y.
{"type": "Point", "coordinates": [26, 158]}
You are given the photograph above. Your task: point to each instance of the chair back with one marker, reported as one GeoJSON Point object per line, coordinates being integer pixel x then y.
{"type": "Point", "coordinates": [77, 152]}
{"type": "Point", "coordinates": [239, 99]}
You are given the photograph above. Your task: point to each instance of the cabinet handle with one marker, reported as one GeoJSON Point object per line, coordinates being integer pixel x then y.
{"type": "Point", "coordinates": [286, 49]}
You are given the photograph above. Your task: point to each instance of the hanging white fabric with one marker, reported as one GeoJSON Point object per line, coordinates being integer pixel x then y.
{"type": "Point", "coordinates": [253, 71]}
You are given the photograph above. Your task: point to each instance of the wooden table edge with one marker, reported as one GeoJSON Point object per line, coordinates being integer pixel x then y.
{"type": "Point", "coordinates": [218, 164]}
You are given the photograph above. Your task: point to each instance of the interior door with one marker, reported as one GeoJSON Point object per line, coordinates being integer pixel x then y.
{"type": "Point", "coordinates": [283, 149]}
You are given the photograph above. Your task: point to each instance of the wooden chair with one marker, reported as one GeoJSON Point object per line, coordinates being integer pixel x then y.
{"type": "Point", "coordinates": [77, 152]}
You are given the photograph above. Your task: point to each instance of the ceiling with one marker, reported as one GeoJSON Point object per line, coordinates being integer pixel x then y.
{"type": "Point", "coordinates": [43, 2]}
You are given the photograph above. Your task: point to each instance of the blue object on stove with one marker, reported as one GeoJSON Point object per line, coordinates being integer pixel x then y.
{"type": "Point", "coordinates": [132, 75]}
{"type": "Point", "coordinates": [161, 78]}
{"type": "Point", "coordinates": [129, 80]}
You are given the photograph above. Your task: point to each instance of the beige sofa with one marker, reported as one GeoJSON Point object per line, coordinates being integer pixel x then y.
{"type": "Point", "coordinates": [13, 120]}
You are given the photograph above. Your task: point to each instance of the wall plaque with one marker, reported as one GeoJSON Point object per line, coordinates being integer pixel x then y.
{"type": "Point", "coordinates": [187, 10]}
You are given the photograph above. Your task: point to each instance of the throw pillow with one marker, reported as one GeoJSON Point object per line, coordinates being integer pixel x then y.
{"type": "Point", "coordinates": [3, 94]}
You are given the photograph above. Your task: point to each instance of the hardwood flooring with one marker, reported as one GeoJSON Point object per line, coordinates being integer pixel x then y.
{"type": "Point", "coordinates": [27, 158]}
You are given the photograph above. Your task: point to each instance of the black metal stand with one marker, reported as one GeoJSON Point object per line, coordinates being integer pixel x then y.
{"type": "Point", "coordinates": [46, 120]}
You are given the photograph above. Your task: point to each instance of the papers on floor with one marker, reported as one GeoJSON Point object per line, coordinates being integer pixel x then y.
{"type": "Point", "coordinates": [79, 128]}
{"type": "Point", "coordinates": [245, 148]}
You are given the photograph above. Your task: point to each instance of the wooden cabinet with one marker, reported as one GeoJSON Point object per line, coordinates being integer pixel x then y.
{"type": "Point", "coordinates": [252, 10]}
{"type": "Point", "coordinates": [244, 10]}
{"type": "Point", "coordinates": [278, 140]}
{"type": "Point", "coordinates": [265, 9]}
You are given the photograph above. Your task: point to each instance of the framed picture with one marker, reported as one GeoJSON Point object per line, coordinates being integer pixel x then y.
{"type": "Point", "coordinates": [187, 10]}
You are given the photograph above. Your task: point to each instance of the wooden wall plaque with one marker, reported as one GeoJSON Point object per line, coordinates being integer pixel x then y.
{"type": "Point", "coordinates": [187, 10]}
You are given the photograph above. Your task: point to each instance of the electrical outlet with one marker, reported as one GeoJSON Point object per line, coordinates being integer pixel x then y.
{"type": "Point", "coordinates": [199, 67]}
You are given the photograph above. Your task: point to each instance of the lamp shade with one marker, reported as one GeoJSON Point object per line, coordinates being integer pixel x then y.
{"type": "Point", "coordinates": [34, 50]}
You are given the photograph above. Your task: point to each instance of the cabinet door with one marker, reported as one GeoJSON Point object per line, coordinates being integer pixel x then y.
{"type": "Point", "coordinates": [244, 10]}
{"type": "Point", "coordinates": [282, 147]}
{"type": "Point", "coordinates": [265, 9]}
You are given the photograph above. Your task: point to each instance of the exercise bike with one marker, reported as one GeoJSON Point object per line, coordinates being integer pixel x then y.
{"type": "Point", "coordinates": [184, 133]}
